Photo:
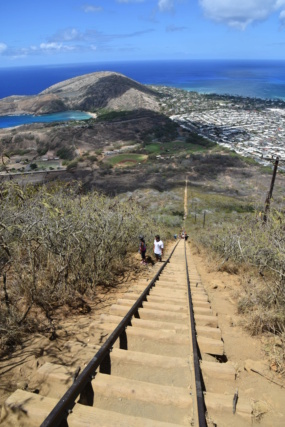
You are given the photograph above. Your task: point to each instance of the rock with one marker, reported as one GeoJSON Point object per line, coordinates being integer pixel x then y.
{"type": "Point", "coordinates": [260, 408]}
{"type": "Point", "coordinates": [23, 385]}
{"type": "Point", "coordinates": [256, 365]}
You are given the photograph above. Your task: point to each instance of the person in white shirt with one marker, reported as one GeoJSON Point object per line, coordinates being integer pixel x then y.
{"type": "Point", "coordinates": [158, 248]}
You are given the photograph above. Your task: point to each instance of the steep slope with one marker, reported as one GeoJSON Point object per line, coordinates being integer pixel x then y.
{"type": "Point", "coordinates": [88, 93]}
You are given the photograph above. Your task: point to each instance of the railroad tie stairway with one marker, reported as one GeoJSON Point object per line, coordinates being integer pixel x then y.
{"type": "Point", "coordinates": [218, 374]}
{"type": "Point", "coordinates": [148, 378]}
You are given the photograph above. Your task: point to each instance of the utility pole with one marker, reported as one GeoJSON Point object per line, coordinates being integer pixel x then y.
{"type": "Point", "coordinates": [270, 192]}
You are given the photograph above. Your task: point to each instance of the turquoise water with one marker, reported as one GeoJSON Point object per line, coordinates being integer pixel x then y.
{"type": "Point", "coordinates": [65, 116]}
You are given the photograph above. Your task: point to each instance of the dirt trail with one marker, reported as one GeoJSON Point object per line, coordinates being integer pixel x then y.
{"type": "Point", "coordinates": [255, 381]}
{"type": "Point", "coordinates": [185, 199]}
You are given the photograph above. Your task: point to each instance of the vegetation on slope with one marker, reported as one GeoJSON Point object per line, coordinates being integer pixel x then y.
{"type": "Point", "coordinates": [240, 241]}
{"type": "Point", "coordinates": [56, 244]}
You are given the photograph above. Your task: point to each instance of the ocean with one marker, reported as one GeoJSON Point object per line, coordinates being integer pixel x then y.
{"type": "Point", "coordinates": [255, 79]}
{"type": "Point", "coordinates": [261, 79]}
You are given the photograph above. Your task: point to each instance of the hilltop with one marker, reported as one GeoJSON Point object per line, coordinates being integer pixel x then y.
{"type": "Point", "coordinates": [89, 92]}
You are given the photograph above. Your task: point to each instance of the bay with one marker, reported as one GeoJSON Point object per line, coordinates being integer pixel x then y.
{"type": "Point", "coordinates": [65, 116]}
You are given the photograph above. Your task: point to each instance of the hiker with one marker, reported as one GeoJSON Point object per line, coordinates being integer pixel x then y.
{"type": "Point", "coordinates": [142, 250]}
{"type": "Point", "coordinates": [158, 248]}
{"type": "Point", "coordinates": [186, 237]}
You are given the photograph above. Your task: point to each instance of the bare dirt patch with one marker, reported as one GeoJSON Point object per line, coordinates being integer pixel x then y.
{"type": "Point", "coordinates": [256, 380]}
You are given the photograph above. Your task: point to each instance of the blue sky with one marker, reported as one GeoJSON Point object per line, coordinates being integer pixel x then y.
{"type": "Point", "coordinates": [35, 32]}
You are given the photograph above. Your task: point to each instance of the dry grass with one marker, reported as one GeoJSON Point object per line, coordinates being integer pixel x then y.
{"type": "Point", "coordinates": [56, 245]}
{"type": "Point", "coordinates": [256, 251]}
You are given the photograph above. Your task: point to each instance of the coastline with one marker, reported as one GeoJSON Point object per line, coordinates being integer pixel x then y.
{"type": "Point", "coordinates": [93, 115]}
{"type": "Point", "coordinates": [85, 116]}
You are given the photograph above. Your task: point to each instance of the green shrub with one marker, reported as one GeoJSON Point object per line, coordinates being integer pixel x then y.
{"type": "Point", "coordinates": [42, 150]}
{"type": "Point", "coordinates": [65, 153]}
{"type": "Point", "coordinates": [72, 165]}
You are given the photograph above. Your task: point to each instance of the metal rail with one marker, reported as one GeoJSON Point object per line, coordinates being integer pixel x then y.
{"type": "Point", "coordinates": [60, 412]}
{"type": "Point", "coordinates": [197, 371]}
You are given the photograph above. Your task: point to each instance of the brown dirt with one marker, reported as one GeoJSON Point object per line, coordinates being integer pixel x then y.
{"type": "Point", "coordinates": [247, 353]}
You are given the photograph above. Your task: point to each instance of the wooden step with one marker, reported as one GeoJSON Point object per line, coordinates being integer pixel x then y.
{"type": "Point", "coordinates": [202, 320]}
{"type": "Point", "coordinates": [54, 380]}
{"type": "Point", "coordinates": [163, 341]}
{"type": "Point", "coordinates": [223, 371]}
{"type": "Point", "coordinates": [197, 297]}
{"type": "Point", "coordinates": [210, 346]}
{"type": "Point", "coordinates": [220, 404]}
{"type": "Point", "coordinates": [172, 285]}
{"type": "Point", "coordinates": [207, 331]}
{"type": "Point", "coordinates": [173, 293]}
{"type": "Point", "coordinates": [147, 340]}
{"type": "Point", "coordinates": [159, 369]}
{"type": "Point", "coordinates": [148, 314]}
{"type": "Point", "coordinates": [138, 398]}
{"type": "Point", "coordinates": [153, 298]}
{"type": "Point", "coordinates": [24, 409]}
{"type": "Point", "coordinates": [155, 305]}
{"type": "Point", "coordinates": [198, 303]}
{"type": "Point", "coordinates": [149, 324]}
{"type": "Point", "coordinates": [203, 311]}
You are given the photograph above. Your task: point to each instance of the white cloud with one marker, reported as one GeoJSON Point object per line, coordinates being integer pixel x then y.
{"type": "Point", "coordinates": [165, 5]}
{"type": "Point", "coordinates": [89, 8]}
{"type": "Point", "coordinates": [280, 3]}
{"type": "Point", "coordinates": [56, 47]}
{"type": "Point", "coordinates": [3, 47]}
{"type": "Point", "coordinates": [67, 35]}
{"type": "Point", "coordinates": [240, 13]}
{"type": "Point", "coordinates": [282, 19]}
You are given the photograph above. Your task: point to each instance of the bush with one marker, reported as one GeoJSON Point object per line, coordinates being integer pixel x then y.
{"type": "Point", "coordinates": [72, 165]}
{"type": "Point", "coordinates": [42, 150]}
{"type": "Point", "coordinates": [55, 243]}
{"type": "Point", "coordinates": [261, 246]}
{"type": "Point", "coordinates": [65, 153]}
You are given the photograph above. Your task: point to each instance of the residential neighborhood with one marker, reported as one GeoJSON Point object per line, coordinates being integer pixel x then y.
{"type": "Point", "coordinates": [252, 127]}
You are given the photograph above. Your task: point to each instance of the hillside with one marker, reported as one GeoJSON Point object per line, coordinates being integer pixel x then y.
{"type": "Point", "coordinates": [89, 92]}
